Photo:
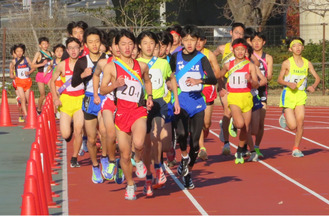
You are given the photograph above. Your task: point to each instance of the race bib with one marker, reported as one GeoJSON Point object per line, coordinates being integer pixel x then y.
{"type": "Point", "coordinates": [238, 80]}
{"type": "Point", "coordinates": [45, 68]}
{"type": "Point", "coordinates": [156, 78]}
{"type": "Point", "coordinates": [21, 73]}
{"type": "Point", "coordinates": [131, 91]}
{"type": "Point", "coordinates": [184, 87]}
{"type": "Point", "coordinates": [300, 80]}
{"type": "Point", "coordinates": [70, 88]}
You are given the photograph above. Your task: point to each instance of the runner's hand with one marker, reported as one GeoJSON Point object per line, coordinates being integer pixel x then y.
{"type": "Point", "coordinates": [119, 82]}
{"type": "Point", "coordinates": [192, 82]}
{"type": "Point", "coordinates": [57, 102]}
{"type": "Point", "coordinates": [222, 92]}
{"type": "Point", "coordinates": [177, 108]}
{"type": "Point", "coordinates": [86, 72]}
{"type": "Point", "coordinates": [310, 89]}
{"type": "Point", "coordinates": [248, 77]}
{"type": "Point", "coordinates": [292, 85]}
{"type": "Point", "coordinates": [97, 99]}
{"type": "Point", "coordinates": [149, 103]}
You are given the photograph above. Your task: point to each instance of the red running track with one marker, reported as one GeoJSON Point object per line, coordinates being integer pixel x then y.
{"type": "Point", "coordinates": [279, 184]}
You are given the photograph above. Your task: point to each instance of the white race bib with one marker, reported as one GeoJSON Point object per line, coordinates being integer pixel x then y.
{"type": "Point", "coordinates": [131, 91]}
{"type": "Point", "coordinates": [21, 73]}
{"type": "Point", "coordinates": [238, 80]}
{"type": "Point", "coordinates": [297, 78]}
{"type": "Point", "coordinates": [156, 78]}
{"type": "Point", "coordinates": [184, 87]}
{"type": "Point", "coordinates": [70, 88]}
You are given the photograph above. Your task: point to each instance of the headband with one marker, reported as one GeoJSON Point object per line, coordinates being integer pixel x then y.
{"type": "Point", "coordinates": [296, 41]}
{"type": "Point", "coordinates": [174, 32]}
{"type": "Point", "coordinates": [239, 44]}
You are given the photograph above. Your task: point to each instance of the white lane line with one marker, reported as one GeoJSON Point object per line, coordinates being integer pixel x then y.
{"type": "Point", "coordinates": [65, 197]}
{"type": "Point", "coordinates": [187, 193]}
{"type": "Point", "coordinates": [312, 141]}
{"type": "Point", "coordinates": [286, 177]}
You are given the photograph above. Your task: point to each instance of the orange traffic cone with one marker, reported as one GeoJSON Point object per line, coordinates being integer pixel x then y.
{"type": "Point", "coordinates": [28, 204]}
{"type": "Point", "coordinates": [5, 120]}
{"type": "Point", "coordinates": [31, 120]}
{"type": "Point", "coordinates": [31, 186]}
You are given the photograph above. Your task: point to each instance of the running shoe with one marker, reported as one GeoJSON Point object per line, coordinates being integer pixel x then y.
{"type": "Point", "coordinates": [21, 119]}
{"type": "Point", "coordinates": [221, 134]}
{"type": "Point", "coordinates": [297, 153]}
{"type": "Point", "coordinates": [58, 115]}
{"type": "Point", "coordinates": [182, 169]}
{"type": "Point", "coordinates": [226, 149]}
{"type": "Point", "coordinates": [148, 190]}
{"type": "Point", "coordinates": [187, 182]}
{"type": "Point", "coordinates": [119, 176]}
{"type": "Point", "coordinates": [253, 157]}
{"type": "Point", "coordinates": [239, 158]}
{"type": "Point", "coordinates": [160, 178]}
{"type": "Point", "coordinates": [231, 129]}
{"type": "Point", "coordinates": [110, 171]}
{"type": "Point", "coordinates": [140, 169]}
{"type": "Point", "coordinates": [203, 154]}
{"type": "Point", "coordinates": [74, 162]}
{"type": "Point", "coordinates": [130, 192]}
{"type": "Point", "coordinates": [97, 175]}
{"type": "Point", "coordinates": [282, 121]}
{"type": "Point", "coordinates": [105, 165]}
{"type": "Point", "coordinates": [83, 148]}
{"type": "Point", "coordinates": [258, 152]}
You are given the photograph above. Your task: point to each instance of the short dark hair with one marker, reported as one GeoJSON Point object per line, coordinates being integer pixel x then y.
{"type": "Point", "coordinates": [260, 35]}
{"type": "Point", "coordinates": [58, 46]}
{"type": "Point", "coordinates": [177, 28]}
{"type": "Point", "coordinates": [238, 24]}
{"type": "Point", "coordinates": [249, 33]}
{"type": "Point", "coordinates": [90, 31]}
{"type": "Point", "coordinates": [191, 30]}
{"type": "Point", "coordinates": [79, 24]}
{"type": "Point", "coordinates": [111, 36]}
{"type": "Point", "coordinates": [41, 39]}
{"type": "Point", "coordinates": [202, 34]}
{"type": "Point", "coordinates": [72, 39]}
{"type": "Point", "coordinates": [240, 40]}
{"type": "Point", "coordinates": [22, 46]}
{"type": "Point", "coordinates": [294, 38]}
{"type": "Point", "coordinates": [171, 38]}
{"type": "Point", "coordinates": [12, 49]}
{"type": "Point", "coordinates": [124, 33]}
{"type": "Point", "coordinates": [163, 37]}
{"type": "Point", "coordinates": [149, 34]}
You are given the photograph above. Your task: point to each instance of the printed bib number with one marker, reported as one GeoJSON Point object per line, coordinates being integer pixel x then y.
{"type": "Point", "coordinates": [21, 73]}
{"type": "Point", "coordinates": [238, 80]}
{"type": "Point", "coordinates": [156, 78]}
{"type": "Point", "coordinates": [186, 88]}
{"type": "Point", "coordinates": [131, 91]}
{"type": "Point", "coordinates": [301, 81]}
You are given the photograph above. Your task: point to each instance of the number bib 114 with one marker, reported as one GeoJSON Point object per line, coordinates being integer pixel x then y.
{"type": "Point", "coordinates": [131, 91]}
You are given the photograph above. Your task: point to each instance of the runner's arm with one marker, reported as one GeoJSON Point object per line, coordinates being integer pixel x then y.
{"type": "Point", "coordinates": [253, 76]}
{"type": "Point", "coordinates": [261, 77]}
{"type": "Point", "coordinates": [12, 69]}
{"type": "Point", "coordinates": [255, 60]}
{"type": "Point", "coordinates": [210, 77]}
{"type": "Point", "coordinates": [269, 62]}
{"type": "Point", "coordinates": [224, 70]}
{"type": "Point", "coordinates": [34, 62]}
{"type": "Point", "coordinates": [219, 50]}
{"type": "Point", "coordinates": [80, 72]}
{"type": "Point", "coordinates": [285, 69]}
{"type": "Point", "coordinates": [109, 77]}
{"type": "Point", "coordinates": [56, 74]}
{"type": "Point", "coordinates": [148, 85]}
{"type": "Point", "coordinates": [315, 75]}
{"type": "Point", "coordinates": [31, 65]}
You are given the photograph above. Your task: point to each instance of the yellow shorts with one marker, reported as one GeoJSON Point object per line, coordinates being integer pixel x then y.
{"type": "Point", "coordinates": [292, 98]}
{"type": "Point", "coordinates": [242, 100]}
{"type": "Point", "coordinates": [70, 104]}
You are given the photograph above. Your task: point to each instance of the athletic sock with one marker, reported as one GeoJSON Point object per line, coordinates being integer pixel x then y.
{"type": "Point", "coordinates": [240, 149]}
{"type": "Point", "coordinates": [112, 161]}
{"type": "Point", "coordinates": [185, 157]}
{"type": "Point", "coordinates": [226, 142]}
{"type": "Point", "coordinates": [96, 166]}
{"type": "Point", "coordinates": [157, 166]}
{"type": "Point", "coordinates": [104, 156]}
{"type": "Point", "coordinates": [256, 146]}
{"type": "Point", "coordinates": [295, 148]}
{"type": "Point", "coordinates": [149, 177]}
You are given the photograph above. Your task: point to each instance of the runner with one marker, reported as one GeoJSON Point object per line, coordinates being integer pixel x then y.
{"type": "Point", "coordinates": [21, 65]}
{"type": "Point", "coordinates": [227, 55]}
{"type": "Point", "coordinates": [108, 108]}
{"type": "Point", "coordinates": [192, 70]}
{"type": "Point", "coordinates": [293, 76]}
{"type": "Point", "coordinates": [76, 30]}
{"type": "Point", "coordinates": [58, 52]}
{"type": "Point", "coordinates": [83, 73]}
{"type": "Point", "coordinates": [175, 31]}
{"type": "Point", "coordinates": [42, 61]}
{"type": "Point", "coordinates": [258, 40]}
{"type": "Point", "coordinates": [18, 99]}
{"type": "Point", "coordinates": [159, 134]}
{"type": "Point", "coordinates": [241, 75]}
{"type": "Point", "coordinates": [70, 101]}
{"type": "Point", "coordinates": [126, 76]}
{"type": "Point", "coordinates": [209, 93]}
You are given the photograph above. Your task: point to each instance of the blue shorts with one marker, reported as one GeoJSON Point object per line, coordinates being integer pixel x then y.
{"type": "Point", "coordinates": [257, 103]}
{"type": "Point", "coordinates": [89, 108]}
{"type": "Point", "coordinates": [170, 115]}
{"type": "Point", "coordinates": [159, 109]}
{"type": "Point", "coordinates": [192, 102]}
